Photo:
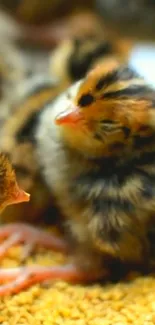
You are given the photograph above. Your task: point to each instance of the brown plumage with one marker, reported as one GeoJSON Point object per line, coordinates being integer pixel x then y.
{"type": "Point", "coordinates": [95, 144]}
{"type": "Point", "coordinates": [10, 193]}
{"type": "Point", "coordinates": [16, 142]}
{"type": "Point", "coordinates": [69, 63]}
{"type": "Point", "coordinates": [73, 58]}
{"type": "Point", "coordinates": [112, 116]}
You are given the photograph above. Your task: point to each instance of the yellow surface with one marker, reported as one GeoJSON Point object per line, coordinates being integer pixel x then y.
{"type": "Point", "coordinates": [60, 303]}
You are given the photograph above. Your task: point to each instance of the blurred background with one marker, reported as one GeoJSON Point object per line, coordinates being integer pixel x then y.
{"type": "Point", "coordinates": [49, 21]}
{"type": "Point", "coordinates": [37, 26]}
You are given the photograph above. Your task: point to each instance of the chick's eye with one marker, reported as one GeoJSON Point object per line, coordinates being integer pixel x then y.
{"type": "Point", "coordinates": [107, 125]}
{"type": "Point", "coordinates": [109, 122]}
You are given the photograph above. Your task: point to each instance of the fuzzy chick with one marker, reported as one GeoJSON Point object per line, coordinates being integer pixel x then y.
{"type": "Point", "coordinates": [69, 62]}
{"type": "Point", "coordinates": [10, 192]}
{"type": "Point", "coordinates": [73, 58]}
{"type": "Point", "coordinates": [95, 145]}
{"type": "Point", "coordinates": [16, 142]}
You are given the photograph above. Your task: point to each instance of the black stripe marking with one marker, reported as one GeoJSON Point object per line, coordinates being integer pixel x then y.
{"type": "Point", "coordinates": [21, 170]}
{"type": "Point", "coordinates": [27, 132]}
{"type": "Point", "coordinates": [148, 183]}
{"type": "Point", "coordinates": [117, 146]}
{"type": "Point", "coordinates": [144, 159]}
{"type": "Point", "coordinates": [86, 99]}
{"type": "Point", "coordinates": [126, 131]}
{"type": "Point", "coordinates": [111, 234]}
{"type": "Point", "coordinates": [28, 129]}
{"type": "Point", "coordinates": [121, 74]}
{"type": "Point", "coordinates": [133, 90]}
{"type": "Point", "coordinates": [111, 175]}
{"type": "Point", "coordinates": [78, 64]}
{"type": "Point", "coordinates": [103, 206]}
{"type": "Point", "coordinates": [141, 141]}
{"type": "Point", "coordinates": [144, 128]}
{"type": "Point", "coordinates": [97, 136]}
{"type": "Point", "coordinates": [107, 121]}
{"type": "Point", "coordinates": [107, 80]}
{"type": "Point", "coordinates": [148, 191]}
{"type": "Point", "coordinates": [107, 176]}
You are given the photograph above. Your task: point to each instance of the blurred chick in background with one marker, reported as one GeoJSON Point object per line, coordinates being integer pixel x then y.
{"type": "Point", "coordinates": [95, 145]}
{"type": "Point", "coordinates": [72, 59]}
{"type": "Point", "coordinates": [16, 143]}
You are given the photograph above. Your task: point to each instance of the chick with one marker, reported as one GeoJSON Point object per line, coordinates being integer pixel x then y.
{"type": "Point", "coordinates": [69, 63]}
{"type": "Point", "coordinates": [95, 144]}
{"type": "Point", "coordinates": [16, 142]}
{"type": "Point", "coordinates": [101, 166]}
{"type": "Point", "coordinates": [10, 192]}
{"type": "Point", "coordinates": [78, 56]}
{"type": "Point", "coordinates": [73, 58]}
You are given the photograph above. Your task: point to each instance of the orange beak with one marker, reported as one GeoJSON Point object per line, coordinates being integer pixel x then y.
{"type": "Point", "coordinates": [70, 117]}
{"type": "Point", "coordinates": [20, 196]}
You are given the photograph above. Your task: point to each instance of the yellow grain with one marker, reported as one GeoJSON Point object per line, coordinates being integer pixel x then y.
{"type": "Point", "coordinates": [59, 303]}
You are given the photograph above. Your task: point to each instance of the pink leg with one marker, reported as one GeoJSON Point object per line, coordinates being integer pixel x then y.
{"type": "Point", "coordinates": [20, 232]}
{"type": "Point", "coordinates": [23, 277]}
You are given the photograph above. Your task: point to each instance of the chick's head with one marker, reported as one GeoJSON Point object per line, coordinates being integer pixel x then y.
{"type": "Point", "coordinates": [110, 108]}
{"type": "Point", "coordinates": [10, 192]}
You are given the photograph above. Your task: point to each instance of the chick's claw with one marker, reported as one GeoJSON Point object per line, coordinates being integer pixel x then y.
{"type": "Point", "coordinates": [20, 232]}
{"type": "Point", "coordinates": [23, 277]}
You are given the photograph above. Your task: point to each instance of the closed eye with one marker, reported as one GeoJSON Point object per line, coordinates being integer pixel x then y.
{"type": "Point", "coordinates": [108, 122]}
{"type": "Point", "coordinates": [108, 125]}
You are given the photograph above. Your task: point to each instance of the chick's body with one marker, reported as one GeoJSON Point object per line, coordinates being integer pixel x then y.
{"type": "Point", "coordinates": [60, 169]}
{"type": "Point", "coordinates": [95, 147]}
{"type": "Point", "coordinates": [99, 163]}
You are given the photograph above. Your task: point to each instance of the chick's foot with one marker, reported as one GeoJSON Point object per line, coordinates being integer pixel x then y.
{"type": "Point", "coordinates": [23, 277]}
{"type": "Point", "coordinates": [30, 236]}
